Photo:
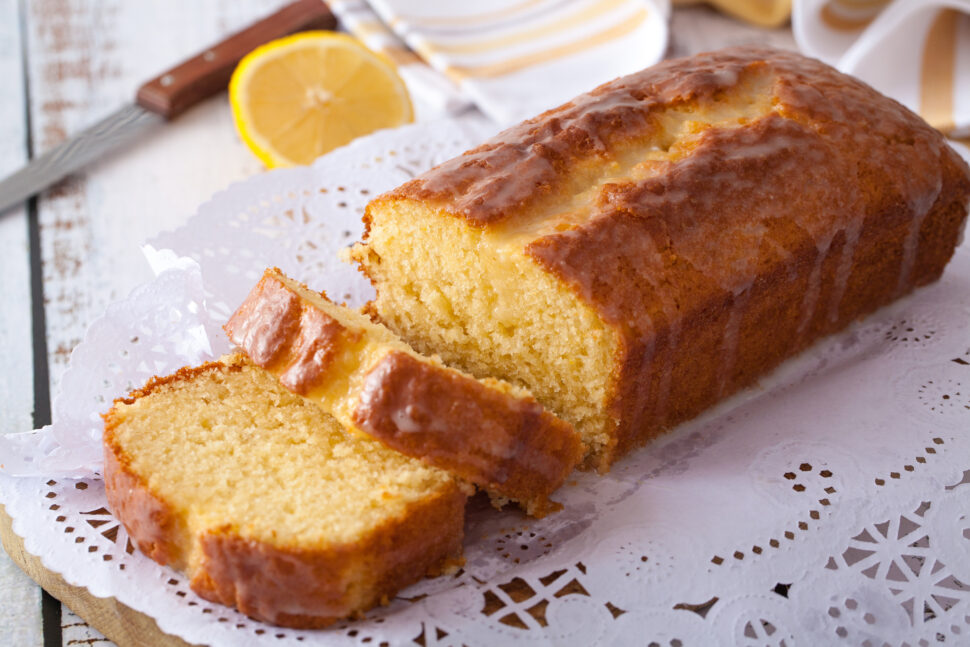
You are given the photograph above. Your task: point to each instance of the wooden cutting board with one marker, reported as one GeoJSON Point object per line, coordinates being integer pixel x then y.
{"type": "Point", "coordinates": [125, 626]}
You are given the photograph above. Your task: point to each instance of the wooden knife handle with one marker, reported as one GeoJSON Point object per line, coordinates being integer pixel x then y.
{"type": "Point", "coordinates": [175, 91]}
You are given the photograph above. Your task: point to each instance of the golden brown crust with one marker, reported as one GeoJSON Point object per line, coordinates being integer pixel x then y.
{"type": "Point", "coordinates": [510, 446]}
{"type": "Point", "coordinates": [716, 265]}
{"type": "Point", "coordinates": [300, 588]}
{"type": "Point", "coordinates": [311, 589]}
{"type": "Point", "coordinates": [519, 168]}
{"type": "Point", "coordinates": [798, 195]}
{"type": "Point", "coordinates": [505, 443]}
{"type": "Point", "coordinates": [149, 520]}
{"type": "Point", "coordinates": [769, 328]}
{"type": "Point", "coordinates": [284, 334]}
{"type": "Point", "coordinates": [157, 382]}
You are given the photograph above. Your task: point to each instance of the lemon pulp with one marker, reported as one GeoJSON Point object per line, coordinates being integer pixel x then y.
{"type": "Point", "coordinates": [299, 97]}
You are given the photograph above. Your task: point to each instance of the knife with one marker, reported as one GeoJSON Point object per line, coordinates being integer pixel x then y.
{"type": "Point", "coordinates": [162, 99]}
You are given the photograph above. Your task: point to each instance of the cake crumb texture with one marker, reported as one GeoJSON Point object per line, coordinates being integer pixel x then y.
{"type": "Point", "coordinates": [659, 243]}
{"type": "Point", "coordinates": [489, 433]}
{"type": "Point", "coordinates": [268, 504]}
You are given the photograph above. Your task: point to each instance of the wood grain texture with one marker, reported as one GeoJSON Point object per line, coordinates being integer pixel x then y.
{"type": "Point", "coordinates": [86, 58]}
{"type": "Point", "coordinates": [16, 394]}
{"type": "Point", "coordinates": [116, 621]}
{"type": "Point", "coordinates": [20, 610]}
{"type": "Point", "coordinates": [20, 617]}
{"type": "Point", "coordinates": [76, 632]}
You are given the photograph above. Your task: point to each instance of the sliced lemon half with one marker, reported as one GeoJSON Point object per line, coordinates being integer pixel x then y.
{"type": "Point", "coordinates": [298, 97]}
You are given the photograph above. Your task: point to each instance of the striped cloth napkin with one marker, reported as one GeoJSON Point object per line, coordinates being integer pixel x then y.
{"type": "Point", "coordinates": [513, 58]}
{"type": "Point", "coordinates": [435, 90]}
{"type": "Point", "coordinates": [916, 51]}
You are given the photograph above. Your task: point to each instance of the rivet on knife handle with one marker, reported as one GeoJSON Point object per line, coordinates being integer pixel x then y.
{"type": "Point", "coordinates": [175, 91]}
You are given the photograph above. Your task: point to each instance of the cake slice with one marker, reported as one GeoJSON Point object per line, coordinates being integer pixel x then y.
{"type": "Point", "coordinates": [266, 503]}
{"type": "Point", "coordinates": [653, 246]}
{"type": "Point", "coordinates": [485, 431]}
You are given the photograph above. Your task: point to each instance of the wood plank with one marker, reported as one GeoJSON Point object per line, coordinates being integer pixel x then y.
{"type": "Point", "coordinates": [16, 394]}
{"type": "Point", "coordinates": [20, 610]}
{"type": "Point", "coordinates": [119, 623]}
{"type": "Point", "coordinates": [20, 618]}
{"type": "Point", "coordinates": [76, 632]}
{"type": "Point", "coordinates": [86, 58]}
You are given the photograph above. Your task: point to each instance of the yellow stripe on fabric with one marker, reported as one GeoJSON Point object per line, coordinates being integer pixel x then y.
{"type": "Point", "coordinates": [401, 55]}
{"type": "Point", "coordinates": [627, 26]}
{"type": "Point", "coordinates": [863, 4]}
{"type": "Point", "coordinates": [764, 13]}
{"type": "Point", "coordinates": [560, 25]}
{"type": "Point", "coordinates": [835, 21]}
{"type": "Point", "coordinates": [938, 71]}
{"type": "Point", "coordinates": [831, 15]}
{"type": "Point", "coordinates": [364, 28]}
{"type": "Point", "coordinates": [431, 21]}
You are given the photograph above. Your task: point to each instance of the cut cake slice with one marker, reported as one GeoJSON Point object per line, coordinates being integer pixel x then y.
{"type": "Point", "coordinates": [485, 431]}
{"type": "Point", "coordinates": [266, 503]}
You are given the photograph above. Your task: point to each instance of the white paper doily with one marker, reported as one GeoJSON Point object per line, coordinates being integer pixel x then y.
{"type": "Point", "coordinates": [831, 505]}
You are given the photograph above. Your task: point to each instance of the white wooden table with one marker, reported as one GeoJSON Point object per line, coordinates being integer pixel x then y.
{"type": "Point", "coordinates": [73, 250]}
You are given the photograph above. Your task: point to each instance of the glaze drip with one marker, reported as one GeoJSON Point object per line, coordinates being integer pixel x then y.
{"type": "Point", "coordinates": [734, 206]}
{"type": "Point", "coordinates": [921, 206]}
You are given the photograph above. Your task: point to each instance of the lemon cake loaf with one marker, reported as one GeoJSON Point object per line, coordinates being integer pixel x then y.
{"type": "Point", "coordinates": [639, 253]}
{"type": "Point", "coordinates": [487, 432]}
{"type": "Point", "coordinates": [266, 503]}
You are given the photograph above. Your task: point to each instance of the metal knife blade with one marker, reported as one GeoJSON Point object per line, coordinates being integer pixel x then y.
{"type": "Point", "coordinates": [114, 131]}
{"type": "Point", "coordinates": [163, 98]}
